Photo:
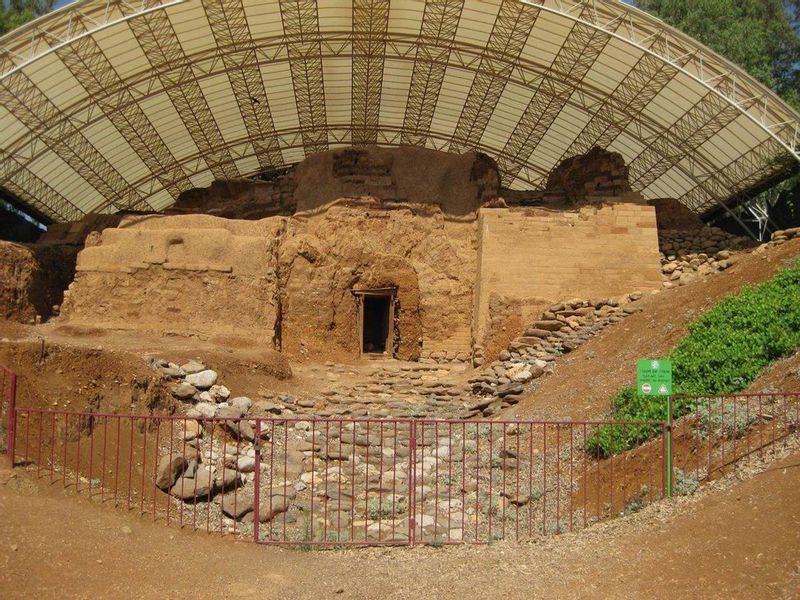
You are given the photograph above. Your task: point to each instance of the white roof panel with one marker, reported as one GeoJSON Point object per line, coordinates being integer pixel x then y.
{"type": "Point", "coordinates": [697, 127]}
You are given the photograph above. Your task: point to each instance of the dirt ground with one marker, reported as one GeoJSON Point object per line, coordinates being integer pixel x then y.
{"type": "Point", "coordinates": [585, 380]}
{"type": "Point", "coordinates": [740, 539]}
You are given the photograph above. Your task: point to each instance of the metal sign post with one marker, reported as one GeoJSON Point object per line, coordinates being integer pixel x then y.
{"type": "Point", "coordinates": [654, 378]}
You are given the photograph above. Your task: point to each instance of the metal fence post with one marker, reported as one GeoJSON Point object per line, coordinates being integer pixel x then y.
{"type": "Point", "coordinates": [669, 446]}
{"type": "Point", "coordinates": [257, 484]}
{"type": "Point", "coordinates": [412, 483]}
{"type": "Point", "coordinates": [12, 418]}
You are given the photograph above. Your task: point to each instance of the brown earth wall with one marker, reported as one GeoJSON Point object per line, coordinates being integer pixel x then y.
{"type": "Point", "coordinates": [33, 278]}
{"type": "Point", "coordinates": [429, 260]}
{"type": "Point", "coordinates": [184, 274]}
{"type": "Point", "coordinates": [457, 183]}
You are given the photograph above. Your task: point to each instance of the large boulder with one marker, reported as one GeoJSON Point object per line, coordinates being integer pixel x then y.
{"type": "Point", "coordinates": [170, 467]}
{"type": "Point", "coordinates": [272, 507]}
{"type": "Point", "coordinates": [242, 403]}
{"type": "Point", "coordinates": [202, 380]}
{"type": "Point", "coordinates": [509, 389]}
{"type": "Point", "coordinates": [192, 367]}
{"type": "Point", "coordinates": [202, 485]}
{"type": "Point", "coordinates": [236, 506]}
{"type": "Point", "coordinates": [183, 391]}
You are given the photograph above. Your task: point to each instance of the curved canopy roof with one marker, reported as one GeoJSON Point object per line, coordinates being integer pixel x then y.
{"type": "Point", "coordinates": [116, 105]}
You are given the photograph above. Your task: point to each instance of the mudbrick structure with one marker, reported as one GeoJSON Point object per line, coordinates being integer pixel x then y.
{"type": "Point", "coordinates": [405, 253]}
{"type": "Point", "coordinates": [351, 255]}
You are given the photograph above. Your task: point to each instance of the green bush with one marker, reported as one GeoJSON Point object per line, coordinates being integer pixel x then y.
{"type": "Point", "coordinates": [726, 349]}
{"type": "Point", "coordinates": [684, 484]}
{"type": "Point", "coordinates": [731, 344]}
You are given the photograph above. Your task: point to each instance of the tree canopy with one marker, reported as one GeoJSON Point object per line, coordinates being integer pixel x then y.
{"type": "Point", "coordinates": [762, 36]}
{"type": "Point", "coordinates": [14, 13]}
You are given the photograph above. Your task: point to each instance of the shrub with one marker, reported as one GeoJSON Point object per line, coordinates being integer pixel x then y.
{"type": "Point", "coordinates": [723, 421]}
{"type": "Point", "coordinates": [637, 502]}
{"type": "Point", "coordinates": [730, 345]}
{"type": "Point", "coordinates": [377, 509]}
{"type": "Point", "coordinates": [684, 484]}
{"type": "Point", "coordinates": [725, 351]}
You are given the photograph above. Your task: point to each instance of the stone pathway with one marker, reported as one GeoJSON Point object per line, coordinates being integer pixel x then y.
{"type": "Point", "coordinates": [340, 481]}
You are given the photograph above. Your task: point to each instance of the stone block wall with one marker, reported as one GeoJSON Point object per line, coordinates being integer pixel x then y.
{"type": "Point", "coordinates": [542, 255]}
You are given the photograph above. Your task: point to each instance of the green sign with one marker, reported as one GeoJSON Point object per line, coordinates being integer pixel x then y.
{"type": "Point", "coordinates": [654, 377]}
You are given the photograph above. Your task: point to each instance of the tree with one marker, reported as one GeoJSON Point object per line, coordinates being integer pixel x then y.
{"type": "Point", "coordinates": [14, 13]}
{"type": "Point", "coordinates": [759, 35]}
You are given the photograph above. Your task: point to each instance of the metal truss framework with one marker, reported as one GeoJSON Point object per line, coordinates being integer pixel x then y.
{"type": "Point", "coordinates": [648, 77]}
{"type": "Point", "coordinates": [27, 102]}
{"type": "Point", "coordinates": [37, 193]}
{"type": "Point", "coordinates": [86, 61]}
{"type": "Point", "coordinates": [229, 25]}
{"type": "Point", "coordinates": [704, 120]}
{"type": "Point", "coordinates": [439, 24]}
{"type": "Point", "coordinates": [157, 38]}
{"type": "Point", "coordinates": [304, 46]}
{"type": "Point", "coordinates": [461, 57]}
{"type": "Point", "coordinates": [748, 170]}
{"type": "Point", "coordinates": [370, 22]}
{"type": "Point", "coordinates": [663, 155]}
{"type": "Point", "coordinates": [341, 134]}
{"type": "Point", "coordinates": [509, 36]}
{"type": "Point", "coordinates": [73, 21]}
{"type": "Point", "coordinates": [581, 48]}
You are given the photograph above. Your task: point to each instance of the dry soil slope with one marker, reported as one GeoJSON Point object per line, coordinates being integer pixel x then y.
{"type": "Point", "coordinates": [586, 379]}
{"type": "Point", "coordinates": [783, 376]}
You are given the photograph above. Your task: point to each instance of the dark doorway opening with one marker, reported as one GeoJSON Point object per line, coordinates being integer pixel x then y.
{"type": "Point", "coordinates": [377, 323]}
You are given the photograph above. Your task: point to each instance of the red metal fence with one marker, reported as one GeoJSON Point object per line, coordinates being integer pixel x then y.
{"type": "Point", "coordinates": [388, 481]}
{"type": "Point", "coordinates": [712, 433]}
{"type": "Point", "coordinates": [8, 398]}
{"type": "Point", "coordinates": [338, 481]}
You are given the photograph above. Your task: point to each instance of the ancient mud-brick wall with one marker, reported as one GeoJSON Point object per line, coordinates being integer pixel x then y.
{"type": "Point", "coordinates": [457, 183]}
{"type": "Point", "coordinates": [186, 274]}
{"type": "Point", "coordinates": [590, 177]}
{"type": "Point", "coordinates": [240, 198]}
{"type": "Point", "coordinates": [33, 278]}
{"type": "Point", "coordinates": [287, 280]}
{"type": "Point", "coordinates": [430, 260]}
{"type": "Point", "coordinates": [547, 256]}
